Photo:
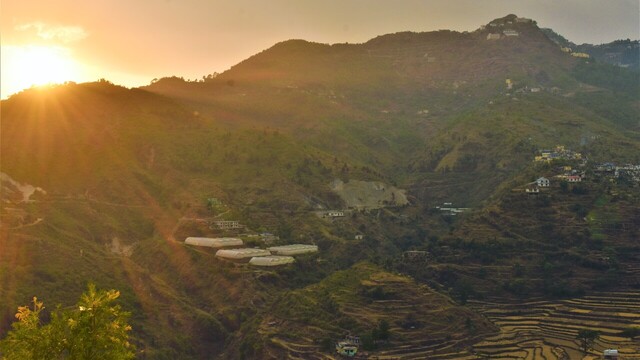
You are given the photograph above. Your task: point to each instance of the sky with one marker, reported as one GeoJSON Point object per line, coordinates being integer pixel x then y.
{"type": "Point", "coordinates": [131, 42]}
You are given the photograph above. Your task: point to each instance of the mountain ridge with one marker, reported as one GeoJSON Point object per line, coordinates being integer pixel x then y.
{"type": "Point", "coordinates": [262, 143]}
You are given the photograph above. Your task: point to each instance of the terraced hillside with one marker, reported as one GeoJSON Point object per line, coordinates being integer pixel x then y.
{"type": "Point", "coordinates": [305, 323]}
{"type": "Point", "coordinates": [548, 329]}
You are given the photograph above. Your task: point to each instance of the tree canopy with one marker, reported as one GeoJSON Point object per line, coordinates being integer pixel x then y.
{"type": "Point", "coordinates": [95, 328]}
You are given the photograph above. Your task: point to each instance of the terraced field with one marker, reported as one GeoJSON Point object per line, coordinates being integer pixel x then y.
{"type": "Point", "coordinates": [439, 328]}
{"type": "Point", "coordinates": [423, 324]}
{"type": "Point", "coordinates": [547, 329]}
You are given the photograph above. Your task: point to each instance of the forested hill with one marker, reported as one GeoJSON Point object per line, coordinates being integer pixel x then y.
{"type": "Point", "coordinates": [408, 160]}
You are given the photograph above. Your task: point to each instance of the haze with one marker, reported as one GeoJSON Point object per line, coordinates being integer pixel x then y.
{"type": "Point", "coordinates": [132, 42]}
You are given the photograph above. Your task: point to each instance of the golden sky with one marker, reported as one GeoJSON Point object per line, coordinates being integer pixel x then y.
{"type": "Point", "coordinates": [130, 42]}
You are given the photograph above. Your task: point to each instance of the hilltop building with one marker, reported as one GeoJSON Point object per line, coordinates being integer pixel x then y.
{"type": "Point", "coordinates": [493, 36]}
{"type": "Point", "coordinates": [510, 33]}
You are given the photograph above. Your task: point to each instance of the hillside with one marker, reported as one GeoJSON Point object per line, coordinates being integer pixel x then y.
{"type": "Point", "coordinates": [623, 53]}
{"type": "Point", "coordinates": [421, 145]}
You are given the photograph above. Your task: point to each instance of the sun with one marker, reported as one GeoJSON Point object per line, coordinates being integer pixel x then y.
{"type": "Point", "coordinates": [25, 66]}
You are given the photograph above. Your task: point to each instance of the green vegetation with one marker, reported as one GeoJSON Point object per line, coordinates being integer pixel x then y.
{"type": "Point", "coordinates": [95, 328]}
{"type": "Point", "coordinates": [587, 339]}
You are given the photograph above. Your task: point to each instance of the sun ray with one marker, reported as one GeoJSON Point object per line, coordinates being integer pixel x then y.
{"type": "Point", "coordinates": [25, 66]}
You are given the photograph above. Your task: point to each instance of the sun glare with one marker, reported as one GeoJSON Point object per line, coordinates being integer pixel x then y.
{"type": "Point", "coordinates": [30, 65]}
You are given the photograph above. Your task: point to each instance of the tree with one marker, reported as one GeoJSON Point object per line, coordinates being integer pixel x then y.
{"type": "Point", "coordinates": [93, 329]}
{"type": "Point", "coordinates": [383, 330]}
{"type": "Point", "coordinates": [587, 338]}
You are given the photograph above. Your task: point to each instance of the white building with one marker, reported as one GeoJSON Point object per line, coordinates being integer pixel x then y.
{"type": "Point", "coordinates": [510, 33]}
{"type": "Point", "coordinates": [227, 224]}
{"type": "Point", "coordinates": [271, 260]}
{"type": "Point", "coordinates": [213, 242]}
{"type": "Point", "coordinates": [610, 354]}
{"type": "Point", "coordinates": [294, 249]}
{"type": "Point", "coordinates": [543, 182]}
{"type": "Point", "coordinates": [239, 254]}
{"type": "Point", "coordinates": [493, 36]}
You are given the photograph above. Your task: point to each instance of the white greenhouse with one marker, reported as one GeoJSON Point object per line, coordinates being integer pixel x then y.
{"type": "Point", "coordinates": [272, 260]}
{"type": "Point", "coordinates": [295, 249]}
{"type": "Point", "coordinates": [213, 242]}
{"type": "Point", "coordinates": [239, 254]}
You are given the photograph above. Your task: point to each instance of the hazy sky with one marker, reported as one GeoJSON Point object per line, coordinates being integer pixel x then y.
{"type": "Point", "coordinates": [131, 42]}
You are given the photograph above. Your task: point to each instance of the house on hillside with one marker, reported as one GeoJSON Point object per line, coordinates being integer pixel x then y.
{"type": "Point", "coordinates": [574, 178]}
{"type": "Point", "coordinates": [510, 33]}
{"type": "Point", "coordinates": [580, 55]}
{"type": "Point", "coordinates": [532, 190]}
{"type": "Point", "coordinates": [493, 36]}
{"type": "Point", "coordinates": [346, 349]}
{"type": "Point", "coordinates": [335, 214]}
{"type": "Point", "coordinates": [610, 354]}
{"type": "Point", "coordinates": [224, 225]}
{"type": "Point", "coordinates": [359, 237]}
{"type": "Point", "coordinates": [523, 20]}
{"type": "Point", "coordinates": [543, 182]}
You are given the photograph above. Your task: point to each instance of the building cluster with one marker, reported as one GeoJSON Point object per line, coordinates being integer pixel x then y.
{"type": "Point", "coordinates": [226, 224]}
{"type": "Point", "coordinates": [231, 249]}
{"type": "Point", "coordinates": [627, 172]}
{"type": "Point", "coordinates": [568, 50]}
{"type": "Point", "coordinates": [503, 29]}
{"type": "Point", "coordinates": [559, 153]}
{"type": "Point", "coordinates": [570, 174]}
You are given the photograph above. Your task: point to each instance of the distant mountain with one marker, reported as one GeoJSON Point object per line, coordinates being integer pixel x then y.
{"type": "Point", "coordinates": [436, 133]}
{"type": "Point", "coordinates": [623, 53]}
